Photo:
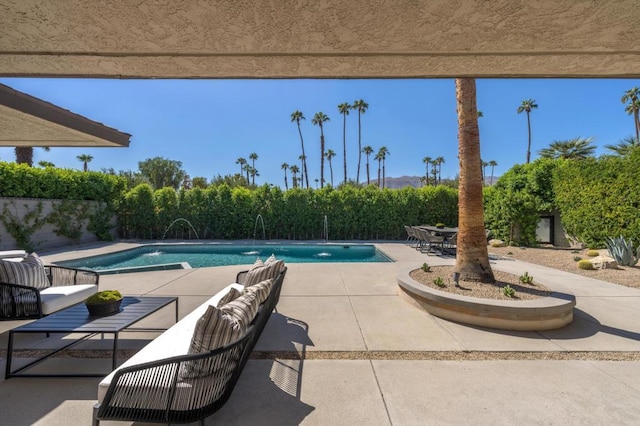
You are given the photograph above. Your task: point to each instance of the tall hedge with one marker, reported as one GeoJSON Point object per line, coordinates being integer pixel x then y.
{"type": "Point", "coordinates": [21, 180]}
{"type": "Point", "coordinates": [297, 214]}
{"type": "Point", "coordinates": [600, 198]}
{"type": "Point", "coordinates": [514, 204]}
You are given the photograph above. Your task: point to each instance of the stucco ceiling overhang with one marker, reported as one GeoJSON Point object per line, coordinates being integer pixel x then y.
{"type": "Point", "coordinates": [320, 38]}
{"type": "Point", "coordinates": [29, 121]}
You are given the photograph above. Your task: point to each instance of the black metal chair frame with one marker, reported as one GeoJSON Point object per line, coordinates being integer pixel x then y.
{"type": "Point", "coordinates": [158, 383]}
{"type": "Point", "coordinates": [18, 302]}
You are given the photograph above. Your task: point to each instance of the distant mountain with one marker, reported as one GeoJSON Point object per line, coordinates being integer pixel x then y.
{"type": "Point", "coordinates": [402, 181]}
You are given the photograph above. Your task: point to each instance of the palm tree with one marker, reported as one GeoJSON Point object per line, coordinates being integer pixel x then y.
{"type": "Point", "coordinates": [480, 114]}
{"type": "Point", "coordinates": [247, 169]}
{"type": "Point", "coordinates": [625, 146]}
{"type": "Point", "coordinates": [294, 172]}
{"type": "Point", "coordinates": [427, 163]}
{"type": "Point", "coordinates": [344, 108]}
{"type": "Point", "coordinates": [378, 157]}
{"type": "Point", "coordinates": [254, 172]}
{"type": "Point", "coordinates": [330, 154]}
{"type": "Point", "coordinates": [383, 152]}
{"type": "Point", "coordinates": [86, 159]}
{"type": "Point", "coordinates": [633, 97]}
{"type": "Point", "coordinates": [362, 107]}
{"type": "Point", "coordinates": [46, 164]}
{"type": "Point", "coordinates": [472, 258]}
{"type": "Point", "coordinates": [439, 161]}
{"type": "Point", "coordinates": [303, 164]}
{"type": "Point", "coordinates": [484, 170]}
{"type": "Point", "coordinates": [434, 172]}
{"type": "Point", "coordinates": [253, 157]}
{"type": "Point", "coordinates": [318, 119]}
{"type": "Point", "coordinates": [527, 106]}
{"type": "Point", "coordinates": [573, 149]}
{"type": "Point", "coordinates": [492, 163]}
{"type": "Point", "coordinates": [297, 116]}
{"type": "Point", "coordinates": [285, 167]}
{"type": "Point", "coordinates": [367, 150]}
{"type": "Point", "coordinates": [24, 154]}
{"type": "Point", "coordinates": [242, 162]}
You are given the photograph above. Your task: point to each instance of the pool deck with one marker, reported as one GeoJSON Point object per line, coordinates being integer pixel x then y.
{"type": "Point", "coordinates": [371, 358]}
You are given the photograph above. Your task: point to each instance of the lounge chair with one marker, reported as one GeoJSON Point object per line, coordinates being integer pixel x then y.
{"type": "Point", "coordinates": [33, 290]}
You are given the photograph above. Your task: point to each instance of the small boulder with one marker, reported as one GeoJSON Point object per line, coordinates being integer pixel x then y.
{"type": "Point", "coordinates": [604, 262]}
{"type": "Point", "coordinates": [496, 243]}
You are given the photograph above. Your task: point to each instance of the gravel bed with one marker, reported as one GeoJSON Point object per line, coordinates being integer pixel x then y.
{"type": "Point", "coordinates": [563, 259]}
{"type": "Point", "coordinates": [477, 289]}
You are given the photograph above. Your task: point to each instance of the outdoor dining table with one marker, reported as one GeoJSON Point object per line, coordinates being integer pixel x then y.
{"type": "Point", "coordinates": [445, 232]}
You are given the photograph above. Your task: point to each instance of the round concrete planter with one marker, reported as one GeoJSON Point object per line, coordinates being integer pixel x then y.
{"type": "Point", "coordinates": [546, 313]}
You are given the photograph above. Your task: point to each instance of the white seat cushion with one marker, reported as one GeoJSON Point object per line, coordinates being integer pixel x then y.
{"type": "Point", "coordinates": [173, 342]}
{"type": "Point", "coordinates": [56, 298]}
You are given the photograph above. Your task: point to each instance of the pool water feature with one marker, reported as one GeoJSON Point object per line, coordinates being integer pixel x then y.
{"type": "Point", "coordinates": [173, 256]}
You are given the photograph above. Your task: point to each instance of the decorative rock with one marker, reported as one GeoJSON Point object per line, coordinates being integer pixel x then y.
{"type": "Point", "coordinates": [603, 262]}
{"type": "Point", "coordinates": [496, 243]}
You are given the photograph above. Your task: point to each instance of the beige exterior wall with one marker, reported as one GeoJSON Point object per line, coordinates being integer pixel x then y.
{"type": "Point", "coordinates": [320, 39]}
{"type": "Point", "coordinates": [45, 237]}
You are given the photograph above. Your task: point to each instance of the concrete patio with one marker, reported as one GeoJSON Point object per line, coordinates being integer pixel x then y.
{"type": "Point", "coordinates": [371, 358]}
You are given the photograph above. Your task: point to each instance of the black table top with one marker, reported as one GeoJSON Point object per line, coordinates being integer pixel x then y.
{"type": "Point", "coordinates": [77, 319]}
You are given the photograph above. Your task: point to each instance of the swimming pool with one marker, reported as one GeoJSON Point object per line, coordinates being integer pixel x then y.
{"type": "Point", "coordinates": [177, 256]}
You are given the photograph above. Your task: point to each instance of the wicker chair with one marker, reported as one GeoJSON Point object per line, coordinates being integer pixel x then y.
{"type": "Point", "coordinates": [153, 392]}
{"type": "Point", "coordinates": [19, 302]}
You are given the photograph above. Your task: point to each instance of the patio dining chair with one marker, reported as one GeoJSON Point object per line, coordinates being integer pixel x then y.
{"type": "Point", "coordinates": [429, 241]}
{"type": "Point", "coordinates": [412, 239]}
{"type": "Point", "coordinates": [449, 243]}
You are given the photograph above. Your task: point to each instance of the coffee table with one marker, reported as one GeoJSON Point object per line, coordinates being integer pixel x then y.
{"type": "Point", "coordinates": [76, 319]}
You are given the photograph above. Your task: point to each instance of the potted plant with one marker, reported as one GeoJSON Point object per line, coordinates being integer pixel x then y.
{"type": "Point", "coordinates": [440, 225]}
{"type": "Point", "coordinates": [105, 302]}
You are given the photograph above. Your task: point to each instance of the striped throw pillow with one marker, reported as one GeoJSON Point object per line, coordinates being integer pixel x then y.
{"type": "Point", "coordinates": [262, 290]}
{"type": "Point", "coordinates": [214, 329]}
{"type": "Point", "coordinates": [266, 272]}
{"type": "Point", "coordinates": [30, 272]}
{"type": "Point", "coordinates": [232, 294]}
{"type": "Point", "coordinates": [243, 309]}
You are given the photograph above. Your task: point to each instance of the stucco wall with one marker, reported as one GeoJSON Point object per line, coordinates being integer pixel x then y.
{"type": "Point", "coordinates": [44, 237]}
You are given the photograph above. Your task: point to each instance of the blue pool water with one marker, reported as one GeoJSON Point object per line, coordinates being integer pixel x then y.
{"type": "Point", "coordinates": [204, 255]}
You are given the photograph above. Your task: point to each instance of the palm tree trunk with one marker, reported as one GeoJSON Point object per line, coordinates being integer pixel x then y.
{"type": "Point", "coordinates": [383, 174]}
{"type": "Point", "coordinates": [344, 147]}
{"type": "Point", "coordinates": [472, 258]}
{"type": "Point", "coordinates": [286, 183]}
{"type": "Point", "coordinates": [359, 147]}
{"type": "Point", "coordinates": [321, 157]}
{"type": "Point", "coordinates": [529, 144]}
{"type": "Point", "coordinates": [304, 157]}
{"type": "Point", "coordinates": [378, 173]}
{"type": "Point", "coordinates": [368, 180]}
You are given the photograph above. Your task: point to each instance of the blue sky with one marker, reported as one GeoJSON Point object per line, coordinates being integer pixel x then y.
{"type": "Point", "coordinates": [209, 124]}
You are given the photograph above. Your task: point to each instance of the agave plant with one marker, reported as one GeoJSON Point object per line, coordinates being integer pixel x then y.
{"type": "Point", "coordinates": [623, 251]}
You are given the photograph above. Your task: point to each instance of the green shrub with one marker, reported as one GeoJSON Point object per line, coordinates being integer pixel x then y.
{"type": "Point", "coordinates": [508, 291]}
{"type": "Point", "coordinates": [102, 297]}
{"type": "Point", "coordinates": [426, 267]}
{"type": "Point", "coordinates": [438, 281]}
{"type": "Point", "coordinates": [586, 265]}
{"type": "Point", "coordinates": [526, 278]}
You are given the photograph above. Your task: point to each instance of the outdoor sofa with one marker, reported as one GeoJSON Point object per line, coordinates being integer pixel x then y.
{"type": "Point", "coordinates": [168, 382]}
{"type": "Point", "coordinates": [30, 290]}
